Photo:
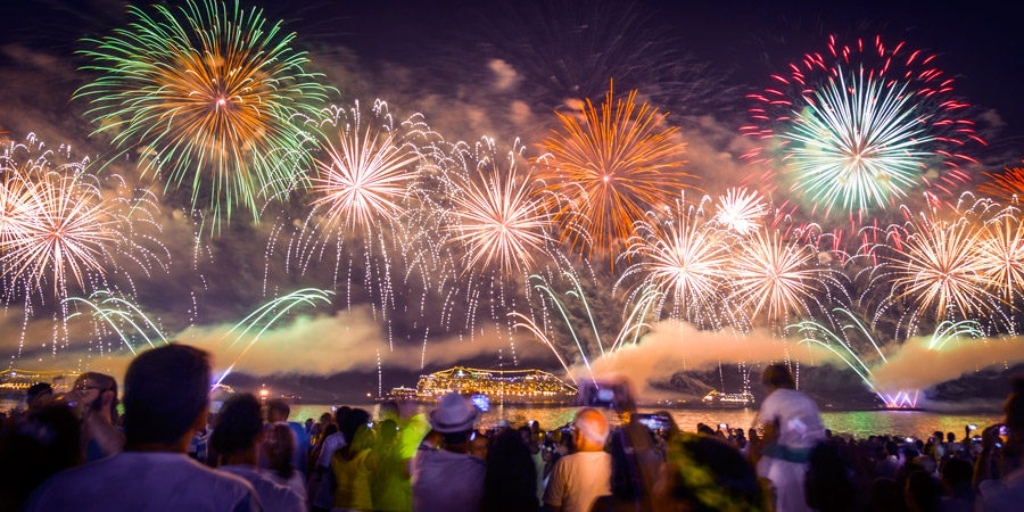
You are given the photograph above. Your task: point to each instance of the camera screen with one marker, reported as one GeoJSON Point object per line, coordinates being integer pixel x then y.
{"type": "Point", "coordinates": [481, 402]}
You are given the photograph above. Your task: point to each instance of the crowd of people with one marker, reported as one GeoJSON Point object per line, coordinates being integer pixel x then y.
{"type": "Point", "coordinates": [169, 452]}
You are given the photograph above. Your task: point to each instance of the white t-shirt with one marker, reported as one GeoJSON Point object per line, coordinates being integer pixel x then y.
{"type": "Point", "coordinates": [332, 443]}
{"type": "Point", "coordinates": [578, 480]}
{"type": "Point", "coordinates": [799, 420]}
{"type": "Point", "coordinates": [149, 481]}
{"type": "Point", "coordinates": [274, 497]}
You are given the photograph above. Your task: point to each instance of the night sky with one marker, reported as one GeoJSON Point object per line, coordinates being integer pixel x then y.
{"type": "Point", "coordinates": [446, 59]}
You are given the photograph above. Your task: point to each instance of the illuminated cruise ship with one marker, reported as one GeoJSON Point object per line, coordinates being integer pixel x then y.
{"type": "Point", "coordinates": [501, 386]}
{"type": "Point", "coordinates": [16, 382]}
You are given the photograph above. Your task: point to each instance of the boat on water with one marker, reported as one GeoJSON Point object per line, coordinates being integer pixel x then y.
{"type": "Point", "coordinates": [14, 383]}
{"type": "Point", "coordinates": [719, 400]}
{"type": "Point", "coordinates": [511, 387]}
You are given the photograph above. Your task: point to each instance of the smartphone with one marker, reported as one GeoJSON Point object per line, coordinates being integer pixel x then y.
{"type": "Point", "coordinates": [972, 426]}
{"type": "Point", "coordinates": [481, 402]}
{"type": "Point", "coordinates": [654, 422]}
{"type": "Point", "coordinates": [1003, 431]}
{"type": "Point", "coordinates": [723, 426]}
{"type": "Point", "coordinates": [596, 394]}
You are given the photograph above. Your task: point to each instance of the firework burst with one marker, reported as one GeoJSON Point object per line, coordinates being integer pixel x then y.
{"type": "Point", "coordinates": [213, 90]}
{"type": "Point", "coordinates": [859, 127]}
{"type": "Point", "coordinates": [775, 276]}
{"type": "Point", "coordinates": [741, 211]}
{"type": "Point", "coordinates": [499, 215]}
{"type": "Point", "coordinates": [61, 226]}
{"type": "Point", "coordinates": [366, 175]}
{"type": "Point", "coordinates": [938, 268]}
{"type": "Point", "coordinates": [685, 259]}
{"type": "Point", "coordinates": [1007, 186]}
{"type": "Point", "coordinates": [1001, 254]}
{"type": "Point", "coordinates": [609, 169]}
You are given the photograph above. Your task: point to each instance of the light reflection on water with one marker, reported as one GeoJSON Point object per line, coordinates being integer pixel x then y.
{"type": "Point", "coordinates": [920, 424]}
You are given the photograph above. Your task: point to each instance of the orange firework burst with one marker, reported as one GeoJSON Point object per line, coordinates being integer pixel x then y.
{"type": "Point", "coordinates": [214, 91]}
{"type": "Point", "coordinates": [1008, 186]}
{"type": "Point", "coordinates": [608, 170]}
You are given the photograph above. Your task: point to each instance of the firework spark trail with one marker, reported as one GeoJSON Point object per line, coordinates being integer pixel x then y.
{"type": "Point", "coordinates": [859, 127]}
{"type": "Point", "coordinates": [117, 313]}
{"type": "Point", "coordinates": [214, 91]}
{"type": "Point", "coordinates": [611, 168]}
{"type": "Point", "coordinates": [266, 316]}
{"type": "Point", "coordinates": [841, 344]}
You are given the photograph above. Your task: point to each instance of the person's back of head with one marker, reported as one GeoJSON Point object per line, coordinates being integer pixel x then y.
{"type": "Point", "coordinates": [778, 375]}
{"type": "Point", "coordinates": [351, 424]}
{"type": "Point", "coordinates": [34, 448]}
{"type": "Point", "coordinates": [340, 413]}
{"type": "Point", "coordinates": [278, 410]}
{"type": "Point", "coordinates": [388, 431]}
{"type": "Point", "coordinates": [706, 474]}
{"type": "Point", "coordinates": [511, 479]}
{"type": "Point", "coordinates": [956, 477]}
{"type": "Point", "coordinates": [38, 395]}
{"type": "Point", "coordinates": [239, 425]}
{"type": "Point", "coordinates": [166, 392]}
{"type": "Point", "coordinates": [885, 495]}
{"type": "Point", "coordinates": [592, 430]}
{"type": "Point", "coordinates": [828, 487]}
{"type": "Point", "coordinates": [923, 492]}
{"type": "Point", "coordinates": [279, 447]}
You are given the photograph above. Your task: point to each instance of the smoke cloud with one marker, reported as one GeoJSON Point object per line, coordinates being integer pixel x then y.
{"type": "Point", "coordinates": [914, 366]}
{"type": "Point", "coordinates": [674, 346]}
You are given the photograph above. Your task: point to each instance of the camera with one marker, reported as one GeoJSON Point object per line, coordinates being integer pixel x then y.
{"type": "Point", "coordinates": [654, 422]}
{"type": "Point", "coordinates": [604, 395]}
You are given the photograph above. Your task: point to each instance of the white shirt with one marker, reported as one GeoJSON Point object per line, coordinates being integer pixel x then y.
{"type": "Point", "coordinates": [799, 421]}
{"type": "Point", "coordinates": [332, 443]}
{"type": "Point", "coordinates": [145, 482]}
{"type": "Point", "coordinates": [578, 480]}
